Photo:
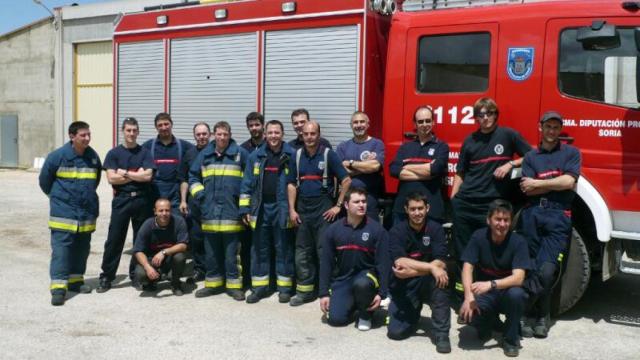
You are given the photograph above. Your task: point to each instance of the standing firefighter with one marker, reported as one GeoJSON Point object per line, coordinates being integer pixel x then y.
{"type": "Point", "coordinates": [264, 205]}
{"type": "Point", "coordinates": [214, 182]}
{"type": "Point", "coordinates": [70, 176]}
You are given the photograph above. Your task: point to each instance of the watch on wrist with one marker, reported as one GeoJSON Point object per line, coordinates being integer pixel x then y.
{"type": "Point", "coordinates": [512, 163]}
{"type": "Point", "coordinates": [494, 285]}
{"type": "Point", "coordinates": [164, 252]}
{"type": "Point", "coordinates": [339, 204]}
{"type": "Point", "coordinates": [351, 163]}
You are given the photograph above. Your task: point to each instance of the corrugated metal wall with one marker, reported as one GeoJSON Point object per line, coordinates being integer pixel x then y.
{"type": "Point", "coordinates": [141, 84]}
{"type": "Point", "coordinates": [316, 69]}
{"type": "Point", "coordinates": [213, 79]}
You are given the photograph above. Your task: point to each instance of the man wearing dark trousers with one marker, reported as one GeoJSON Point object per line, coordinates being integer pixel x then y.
{"type": "Point", "coordinates": [129, 170]}
{"type": "Point", "coordinates": [495, 262]}
{"type": "Point", "coordinates": [354, 265]}
{"type": "Point", "coordinates": [419, 251]}
{"type": "Point", "coordinates": [311, 206]}
{"type": "Point", "coordinates": [159, 248]}
{"type": "Point", "coordinates": [549, 176]}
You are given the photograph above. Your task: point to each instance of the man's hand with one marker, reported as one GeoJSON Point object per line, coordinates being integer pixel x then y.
{"type": "Point", "coordinates": [528, 185]}
{"type": "Point", "coordinates": [246, 219]}
{"type": "Point", "coordinates": [403, 270]}
{"type": "Point", "coordinates": [502, 171]}
{"type": "Point", "coordinates": [324, 304]}
{"type": "Point", "coordinates": [480, 287]}
{"type": "Point", "coordinates": [468, 309]}
{"type": "Point", "coordinates": [294, 217]}
{"type": "Point", "coordinates": [442, 279]}
{"type": "Point", "coordinates": [152, 274]}
{"type": "Point", "coordinates": [331, 214]}
{"type": "Point", "coordinates": [375, 303]}
{"type": "Point", "coordinates": [184, 208]}
{"type": "Point", "coordinates": [157, 259]}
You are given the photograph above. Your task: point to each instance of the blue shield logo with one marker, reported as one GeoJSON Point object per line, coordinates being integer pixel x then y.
{"type": "Point", "coordinates": [520, 63]}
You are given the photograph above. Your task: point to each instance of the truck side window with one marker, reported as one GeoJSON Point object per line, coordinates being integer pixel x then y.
{"type": "Point", "coordinates": [607, 76]}
{"type": "Point", "coordinates": [453, 63]}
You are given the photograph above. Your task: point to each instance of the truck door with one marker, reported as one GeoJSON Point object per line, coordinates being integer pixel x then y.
{"type": "Point", "coordinates": [449, 68]}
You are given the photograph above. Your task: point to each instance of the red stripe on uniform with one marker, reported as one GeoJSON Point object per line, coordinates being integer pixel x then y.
{"type": "Point", "coordinates": [416, 254]}
{"type": "Point", "coordinates": [271, 169]}
{"type": "Point", "coordinates": [416, 160]}
{"type": "Point", "coordinates": [490, 159]}
{"type": "Point", "coordinates": [355, 247]}
{"type": "Point", "coordinates": [495, 272]}
{"type": "Point", "coordinates": [548, 174]}
{"type": "Point", "coordinates": [165, 161]}
{"type": "Point", "coordinates": [311, 177]}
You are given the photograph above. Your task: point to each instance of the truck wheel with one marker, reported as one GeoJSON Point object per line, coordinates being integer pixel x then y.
{"type": "Point", "coordinates": [575, 276]}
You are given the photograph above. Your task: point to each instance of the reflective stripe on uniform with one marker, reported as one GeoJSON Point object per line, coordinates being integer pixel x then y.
{"type": "Point", "coordinates": [245, 200]}
{"type": "Point", "coordinates": [560, 257]}
{"type": "Point", "coordinates": [459, 287]}
{"type": "Point", "coordinates": [374, 279]}
{"type": "Point", "coordinates": [58, 284]}
{"type": "Point", "coordinates": [195, 188]}
{"type": "Point", "coordinates": [222, 226]}
{"type": "Point", "coordinates": [71, 225]}
{"type": "Point", "coordinates": [234, 283]}
{"type": "Point", "coordinates": [213, 282]}
{"type": "Point", "coordinates": [304, 288]}
{"type": "Point", "coordinates": [77, 173]}
{"type": "Point", "coordinates": [253, 221]}
{"type": "Point", "coordinates": [259, 281]}
{"type": "Point", "coordinates": [221, 170]}
{"type": "Point", "coordinates": [256, 169]}
{"type": "Point", "coordinates": [284, 281]}
{"type": "Point", "coordinates": [76, 278]}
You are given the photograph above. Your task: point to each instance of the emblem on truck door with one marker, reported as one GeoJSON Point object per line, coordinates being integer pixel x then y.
{"type": "Point", "coordinates": [520, 63]}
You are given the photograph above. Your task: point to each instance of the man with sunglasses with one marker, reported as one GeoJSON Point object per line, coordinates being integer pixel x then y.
{"type": "Point", "coordinates": [421, 166]}
{"type": "Point", "coordinates": [483, 171]}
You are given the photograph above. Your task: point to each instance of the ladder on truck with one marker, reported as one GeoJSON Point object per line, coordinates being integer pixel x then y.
{"type": "Point", "coordinates": [418, 5]}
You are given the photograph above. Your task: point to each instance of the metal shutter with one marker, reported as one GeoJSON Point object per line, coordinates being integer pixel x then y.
{"type": "Point", "coordinates": [316, 69]}
{"type": "Point", "coordinates": [213, 79]}
{"type": "Point", "coordinates": [140, 85]}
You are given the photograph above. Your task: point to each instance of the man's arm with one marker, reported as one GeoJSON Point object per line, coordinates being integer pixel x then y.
{"type": "Point", "coordinates": [532, 187]}
{"type": "Point", "coordinates": [48, 174]}
{"type": "Point", "coordinates": [116, 177]}
{"type": "Point", "coordinates": [141, 175]}
{"type": "Point", "coordinates": [457, 182]}
{"type": "Point", "coordinates": [469, 306]}
{"type": "Point", "coordinates": [184, 207]}
{"type": "Point", "coordinates": [292, 192]}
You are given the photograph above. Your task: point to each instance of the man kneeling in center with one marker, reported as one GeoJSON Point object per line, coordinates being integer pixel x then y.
{"type": "Point", "coordinates": [354, 265]}
{"type": "Point", "coordinates": [160, 247]}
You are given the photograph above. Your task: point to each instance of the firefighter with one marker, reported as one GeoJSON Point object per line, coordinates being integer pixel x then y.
{"type": "Point", "coordinates": [299, 117]}
{"type": "Point", "coordinates": [129, 170]}
{"type": "Point", "coordinates": [549, 176]}
{"type": "Point", "coordinates": [354, 264]}
{"type": "Point", "coordinates": [483, 171]}
{"type": "Point", "coordinates": [495, 262]}
{"type": "Point", "coordinates": [160, 247]}
{"type": "Point", "coordinates": [311, 206]}
{"type": "Point", "coordinates": [190, 209]}
{"type": "Point", "coordinates": [167, 152]}
{"type": "Point", "coordinates": [69, 177]}
{"type": "Point", "coordinates": [264, 205]}
{"type": "Point", "coordinates": [421, 165]}
{"type": "Point", "coordinates": [255, 125]}
{"type": "Point", "coordinates": [419, 251]}
{"type": "Point", "coordinates": [362, 156]}
{"type": "Point", "coordinates": [214, 182]}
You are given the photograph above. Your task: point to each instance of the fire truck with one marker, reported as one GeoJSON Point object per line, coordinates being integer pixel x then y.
{"type": "Point", "coordinates": [213, 60]}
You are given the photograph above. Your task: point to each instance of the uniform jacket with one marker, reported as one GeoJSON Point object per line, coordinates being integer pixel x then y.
{"type": "Point", "coordinates": [70, 180]}
{"type": "Point", "coordinates": [214, 183]}
{"type": "Point", "coordinates": [251, 190]}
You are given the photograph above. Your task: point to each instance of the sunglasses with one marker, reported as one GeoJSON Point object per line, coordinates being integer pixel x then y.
{"type": "Point", "coordinates": [423, 121]}
{"type": "Point", "coordinates": [482, 114]}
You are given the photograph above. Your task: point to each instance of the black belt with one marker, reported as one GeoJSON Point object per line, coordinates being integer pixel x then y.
{"type": "Point", "coordinates": [131, 193]}
{"type": "Point", "coordinates": [550, 204]}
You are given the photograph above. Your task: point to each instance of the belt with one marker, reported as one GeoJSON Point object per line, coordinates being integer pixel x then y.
{"type": "Point", "coordinates": [130, 193]}
{"type": "Point", "coordinates": [550, 204]}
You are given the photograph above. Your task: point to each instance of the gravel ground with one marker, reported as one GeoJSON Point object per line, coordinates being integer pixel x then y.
{"type": "Point", "coordinates": [123, 323]}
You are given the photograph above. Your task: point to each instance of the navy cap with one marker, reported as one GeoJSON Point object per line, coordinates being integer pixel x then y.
{"type": "Point", "coordinates": [550, 115]}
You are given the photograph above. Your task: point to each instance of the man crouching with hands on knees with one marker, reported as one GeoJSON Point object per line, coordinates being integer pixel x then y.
{"type": "Point", "coordinates": [419, 251]}
{"type": "Point", "coordinates": [159, 248]}
{"type": "Point", "coordinates": [495, 261]}
{"type": "Point", "coordinates": [354, 263]}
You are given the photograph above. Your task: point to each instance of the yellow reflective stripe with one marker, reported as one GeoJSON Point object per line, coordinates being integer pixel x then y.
{"type": "Point", "coordinates": [196, 188]}
{"type": "Point", "coordinates": [244, 202]}
{"type": "Point", "coordinates": [256, 283]}
{"type": "Point", "coordinates": [221, 172]}
{"type": "Point", "coordinates": [58, 286]}
{"type": "Point", "coordinates": [234, 283]}
{"type": "Point", "coordinates": [63, 226]}
{"type": "Point", "coordinates": [87, 228]}
{"type": "Point", "coordinates": [76, 279]}
{"type": "Point", "coordinates": [459, 287]}
{"type": "Point", "coordinates": [213, 284]}
{"type": "Point", "coordinates": [77, 173]}
{"type": "Point", "coordinates": [286, 171]}
{"type": "Point", "coordinates": [284, 282]}
{"type": "Point", "coordinates": [256, 170]}
{"type": "Point", "coordinates": [560, 257]}
{"type": "Point", "coordinates": [252, 224]}
{"type": "Point", "coordinates": [222, 227]}
{"type": "Point", "coordinates": [386, 320]}
{"type": "Point", "coordinates": [304, 288]}
{"type": "Point", "coordinates": [374, 279]}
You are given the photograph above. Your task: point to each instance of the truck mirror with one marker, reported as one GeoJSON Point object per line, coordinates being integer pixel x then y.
{"type": "Point", "coordinates": [598, 36]}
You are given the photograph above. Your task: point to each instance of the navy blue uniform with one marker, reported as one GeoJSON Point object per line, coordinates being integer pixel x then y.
{"type": "Point", "coordinates": [249, 145]}
{"type": "Point", "coordinates": [168, 160]}
{"type": "Point", "coordinates": [131, 202]}
{"type": "Point", "coordinates": [480, 156]}
{"type": "Point", "coordinates": [196, 237]}
{"type": "Point", "coordinates": [408, 295]}
{"type": "Point", "coordinates": [434, 152]}
{"type": "Point", "coordinates": [546, 220]}
{"type": "Point", "coordinates": [355, 264]}
{"type": "Point", "coordinates": [371, 149]}
{"type": "Point", "coordinates": [493, 262]}
{"type": "Point", "coordinates": [313, 199]}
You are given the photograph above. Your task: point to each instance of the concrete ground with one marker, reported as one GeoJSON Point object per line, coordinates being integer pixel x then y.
{"type": "Point", "coordinates": [123, 323]}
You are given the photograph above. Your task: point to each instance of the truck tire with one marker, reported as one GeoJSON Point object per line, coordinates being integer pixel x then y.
{"type": "Point", "coordinates": [575, 276]}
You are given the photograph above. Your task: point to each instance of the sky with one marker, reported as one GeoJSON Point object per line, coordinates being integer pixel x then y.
{"type": "Point", "coordinates": [17, 13]}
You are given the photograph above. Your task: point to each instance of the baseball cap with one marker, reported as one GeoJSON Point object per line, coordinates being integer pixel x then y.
{"type": "Point", "coordinates": [550, 115]}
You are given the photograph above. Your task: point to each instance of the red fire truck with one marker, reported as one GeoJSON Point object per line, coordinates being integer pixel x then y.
{"type": "Point", "coordinates": [221, 60]}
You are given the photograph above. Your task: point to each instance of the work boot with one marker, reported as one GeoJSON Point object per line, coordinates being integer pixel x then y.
{"type": "Point", "coordinates": [204, 292]}
{"type": "Point", "coordinates": [197, 276]}
{"type": "Point", "coordinates": [57, 298]}
{"type": "Point", "coordinates": [509, 349]}
{"type": "Point", "coordinates": [81, 288]}
{"type": "Point", "coordinates": [364, 324]}
{"type": "Point", "coordinates": [253, 298]}
{"type": "Point", "coordinates": [443, 344]}
{"type": "Point", "coordinates": [526, 330]}
{"type": "Point", "coordinates": [176, 289]}
{"type": "Point", "coordinates": [150, 287]}
{"type": "Point", "coordinates": [540, 330]}
{"type": "Point", "coordinates": [236, 294]}
{"type": "Point", "coordinates": [104, 286]}
{"type": "Point", "coordinates": [300, 300]}
{"type": "Point", "coordinates": [284, 298]}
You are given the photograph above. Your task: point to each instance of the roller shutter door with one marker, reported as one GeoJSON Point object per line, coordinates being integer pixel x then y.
{"type": "Point", "coordinates": [316, 69]}
{"type": "Point", "coordinates": [140, 85]}
{"type": "Point", "coordinates": [213, 79]}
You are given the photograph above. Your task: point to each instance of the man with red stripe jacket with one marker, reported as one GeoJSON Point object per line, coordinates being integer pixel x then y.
{"type": "Point", "coordinates": [483, 171]}
{"type": "Point", "coordinates": [495, 262]}
{"type": "Point", "coordinates": [419, 251]}
{"type": "Point", "coordinates": [354, 264]}
{"type": "Point", "coordinates": [549, 176]}
{"type": "Point", "coordinates": [421, 165]}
